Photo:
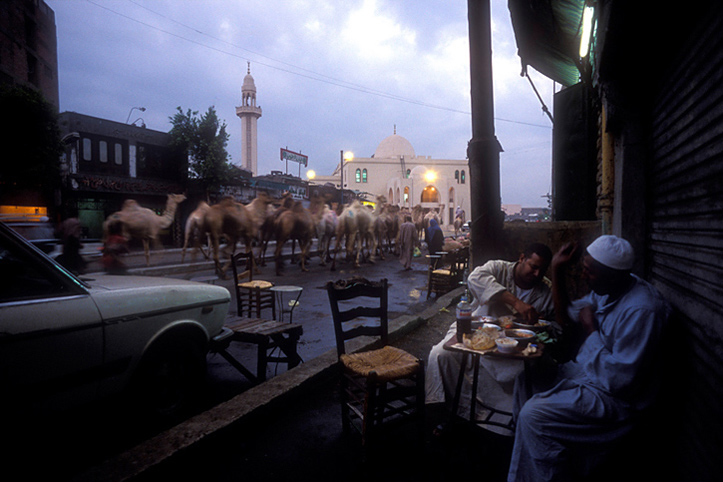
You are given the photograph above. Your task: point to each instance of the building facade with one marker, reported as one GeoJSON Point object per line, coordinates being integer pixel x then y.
{"type": "Point", "coordinates": [107, 162]}
{"type": "Point", "coordinates": [405, 179]}
{"type": "Point", "coordinates": [29, 47]}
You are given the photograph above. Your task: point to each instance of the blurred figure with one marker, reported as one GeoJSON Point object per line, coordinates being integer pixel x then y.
{"type": "Point", "coordinates": [115, 245]}
{"type": "Point", "coordinates": [435, 237]}
{"type": "Point", "coordinates": [69, 232]}
{"type": "Point", "coordinates": [408, 240]}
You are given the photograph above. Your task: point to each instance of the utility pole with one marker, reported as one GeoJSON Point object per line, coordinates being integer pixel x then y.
{"type": "Point", "coordinates": [483, 150]}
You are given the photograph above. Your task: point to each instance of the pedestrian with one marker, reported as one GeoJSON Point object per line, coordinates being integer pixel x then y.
{"type": "Point", "coordinates": [408, 240]}
{"type": "Point", "coordinates": [563, 432]}
{"type": "Point", "coordinates": [115, 245]}
{"type": "Point", "coordinates": [69, 232]}
{"type": "Point", "coordinates": [435, 237]}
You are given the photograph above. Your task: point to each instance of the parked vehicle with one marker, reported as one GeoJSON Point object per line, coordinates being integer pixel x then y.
{"type": "Point", "coordinates": [66, 341]}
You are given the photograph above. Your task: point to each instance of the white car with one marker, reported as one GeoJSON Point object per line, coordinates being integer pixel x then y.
{"type": "Point", "coordinates": [66, 341]}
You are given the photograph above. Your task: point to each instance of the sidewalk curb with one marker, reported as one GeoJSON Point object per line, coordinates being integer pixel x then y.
{"type": "Point", "coordinates": [175, 442]}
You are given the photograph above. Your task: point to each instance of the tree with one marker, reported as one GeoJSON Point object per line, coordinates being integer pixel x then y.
{"type": "Point", "coordinates": [31, 140]}
{"type": "Point", "coordinates": [203, 140]}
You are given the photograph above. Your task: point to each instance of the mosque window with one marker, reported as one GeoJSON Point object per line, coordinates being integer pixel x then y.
{"type": "Point", "coordinates": [461, 177]}
{"type": "Point", "coordinates": [409, 172]}
{"type": "Point", "coordinates": [357, 176]}
{"type": "Point", "coordinates": [364, 175]}
{"type": "Point", "coordinates": [456, 175]}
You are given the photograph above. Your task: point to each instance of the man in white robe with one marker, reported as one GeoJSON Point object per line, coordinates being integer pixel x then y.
{"type": "Point", "coordinates": [561, 433]}
{"type": "Point", "coordinates": [499, 288]}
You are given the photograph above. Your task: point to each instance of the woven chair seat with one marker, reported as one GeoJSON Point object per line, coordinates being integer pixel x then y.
{"type": "Point", "coordinates": [256, 284]}
{"type": "Point", "coordinates": [389, 363]}
{"type": "Point", "coordinates": [445, 272]}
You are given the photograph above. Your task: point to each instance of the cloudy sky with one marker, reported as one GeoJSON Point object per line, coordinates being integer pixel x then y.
{"type": "Point", "coordinates": [330, 75]}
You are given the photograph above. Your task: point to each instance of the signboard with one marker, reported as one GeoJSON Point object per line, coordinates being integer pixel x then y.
{"type": "Point", "coordinates": [287, 155]}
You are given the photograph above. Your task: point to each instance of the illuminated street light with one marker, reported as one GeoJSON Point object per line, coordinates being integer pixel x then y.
{"type": "Point", "coordinates": [311, 175]}
{"type": "Point", "coordinates": [345, 156]}
{"type": "Point", "coordinates": [430, 176]}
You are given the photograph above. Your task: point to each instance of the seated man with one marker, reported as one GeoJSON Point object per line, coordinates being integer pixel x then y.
{"type": "Point", "coordinates": [561, 432]}
{"type": "Point", "coordinates": [499, 288]}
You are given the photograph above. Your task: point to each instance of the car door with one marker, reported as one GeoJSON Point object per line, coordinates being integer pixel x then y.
{"type": "Point", "coordinates": [51, 337]}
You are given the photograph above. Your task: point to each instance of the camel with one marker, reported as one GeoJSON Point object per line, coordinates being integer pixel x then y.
{"type": "Point", "coordinates": [193, 231]}
{"type": "Point", "coordinates": [232, 220]}
{"type": "Point", "coordinates": [267, 229]}
{"type": "Point", "coordinates": [458, 222]}
{"type": "Point", "coordinates": [418, 219]}
{"type": "Point", "coordinates": [355, 226]}
{"type": "Point", "coordinates": [296, 224]}
{"type": "Point", "coordinates": [142, 223]}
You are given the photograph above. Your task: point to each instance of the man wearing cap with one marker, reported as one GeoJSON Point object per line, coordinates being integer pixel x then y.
{"type": "Point", "coordinates": [561, 433]}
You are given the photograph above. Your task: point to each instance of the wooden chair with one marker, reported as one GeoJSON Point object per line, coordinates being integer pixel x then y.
{"type": "Point", "coordinates": [252, 294]}
{"type": "Point", "coordinates": [446, 271]}
{"type": "Point", "coordinates": [380, 386]}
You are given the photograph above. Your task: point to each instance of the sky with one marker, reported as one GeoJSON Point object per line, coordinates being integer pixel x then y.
{"type": "Point", "coordinates": [330, 75]}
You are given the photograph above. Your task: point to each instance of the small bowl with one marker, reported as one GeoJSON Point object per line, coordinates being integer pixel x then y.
{"type": "Point", "coordinates": [538, 327]}
{"type": "Point", "coordinates": [492, 326]}
{"type": "Point", "coordinates": [521, 335]}
{"type": "Point", "coordinates": [507, 345]}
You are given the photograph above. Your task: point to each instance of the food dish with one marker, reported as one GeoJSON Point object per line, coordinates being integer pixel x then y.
{"type": "Point", "coordinates": [541, 325]}
{"type": "Point", "coordinates": [522, 336]}
{"type": "Point", "coordinates": [506, 345]}
{"type": "Point", "coordinates": [482, 339]}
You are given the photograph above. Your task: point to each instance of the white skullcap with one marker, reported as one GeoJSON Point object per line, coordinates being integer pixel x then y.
{"type": "Point", "coordinates": [612, 251]}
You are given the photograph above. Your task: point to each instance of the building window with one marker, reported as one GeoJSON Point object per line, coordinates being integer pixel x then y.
{"type": "Point", "coordinates": [364, 175]}
{"type": "Point", "coordinates": [456, 175]}
{"type": "Point", "coordinates": [409, 173]}
{"type": "Point", "coordinates": [103, 146]}
{"type": "Point", "coordinates": [118, 154]}
{"type": "Point", "coordinates": [406, 195]}
{"type": "Point", "coordinates": [357, 175]}
{"type": "Point", "coordinates": [461, 177]}
{"type": "Point", "coordinates": [87, 149]}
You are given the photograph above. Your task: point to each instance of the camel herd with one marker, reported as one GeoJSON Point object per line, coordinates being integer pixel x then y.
{"type": "Point", "coordinates": [361, 231]}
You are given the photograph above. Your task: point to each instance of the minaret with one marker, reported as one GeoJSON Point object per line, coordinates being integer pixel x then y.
{"type": "Point", "coordinates": [249, 113]}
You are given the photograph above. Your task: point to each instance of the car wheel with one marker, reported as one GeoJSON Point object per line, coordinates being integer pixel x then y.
{"type": "Point", "coordinates": [170, 381]}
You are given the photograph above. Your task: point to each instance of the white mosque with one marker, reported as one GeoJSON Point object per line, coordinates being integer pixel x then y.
{"type": "Point", "coordinates": [394, 170]}
{"type": "Point", "coordinates": [406, 179]}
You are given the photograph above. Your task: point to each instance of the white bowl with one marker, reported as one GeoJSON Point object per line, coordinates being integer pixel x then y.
{"type": "Point", "coordinates": [506, 345]}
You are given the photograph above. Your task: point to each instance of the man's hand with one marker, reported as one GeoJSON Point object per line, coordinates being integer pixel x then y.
{"type": "Point", "coordinates": [526, 312]}
{"type": "Point", "coordinates": [565, 256]}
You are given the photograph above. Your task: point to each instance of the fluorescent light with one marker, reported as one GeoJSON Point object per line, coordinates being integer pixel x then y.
{"type": "Point", "coordinates": [587, 17]}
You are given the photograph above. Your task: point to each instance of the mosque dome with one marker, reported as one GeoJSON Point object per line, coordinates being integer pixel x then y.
{"type": "Point", "coordinates": [248, 85]}
{"type": "Point", "coordinates": [394, 146]}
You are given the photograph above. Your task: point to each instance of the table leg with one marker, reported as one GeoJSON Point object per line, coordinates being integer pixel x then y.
{"type": "Point", "coordinates": [475, 383]}
{"type": "Point", "coordinates": [460, 382]}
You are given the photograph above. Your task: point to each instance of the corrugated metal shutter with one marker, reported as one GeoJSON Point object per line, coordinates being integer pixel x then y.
{"type": "Point", "coordinates": [686, 236]}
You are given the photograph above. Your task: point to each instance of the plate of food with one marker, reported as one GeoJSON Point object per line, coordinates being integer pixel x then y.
{"type": "Point", "coordinates": [541, 325]}
{"type": "Point", "coordinates": [482, 339]}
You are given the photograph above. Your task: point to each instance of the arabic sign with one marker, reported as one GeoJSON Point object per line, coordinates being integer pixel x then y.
{"type": "Point", "coordinates": [287, 155]}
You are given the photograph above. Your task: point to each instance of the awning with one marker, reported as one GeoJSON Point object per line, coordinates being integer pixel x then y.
{"type": "Point", "coordinates": [548, 36]}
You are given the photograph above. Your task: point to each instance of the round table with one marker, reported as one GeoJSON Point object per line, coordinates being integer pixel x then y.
{"type": "Point", "coordinates": [287, 298]}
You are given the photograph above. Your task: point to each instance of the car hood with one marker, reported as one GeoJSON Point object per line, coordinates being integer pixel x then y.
{"type": "Point", "coordinates": [123, 296]}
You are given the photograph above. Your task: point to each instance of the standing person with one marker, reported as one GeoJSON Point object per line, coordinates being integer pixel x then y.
{"type": "Point", "coordinates": [561, 433]}
{"type": "Point", "coordinates": [459, 213]}
{"type": "Point", "coordinates": [408, 240]}
{"type": "Point", "coordinates": [115, 245]}
{"type": "Point", "coordinates": [499, 288]}
{"type": "Point", "coordinates": [435, 237]}
{"type": "Point", "coordinates": [70, 233]}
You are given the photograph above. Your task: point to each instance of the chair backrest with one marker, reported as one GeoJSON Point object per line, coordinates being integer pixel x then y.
{"type": "Point", "coordinates": [245, 259]}
{"type": "Point", "coordinates": [346, 316]}
{"type": "Point", "coordinates": [248, 299]}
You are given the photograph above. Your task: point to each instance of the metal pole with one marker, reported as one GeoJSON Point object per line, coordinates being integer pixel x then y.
{"type": "Point", "coordinates": [341, 164]}
{"type": "Point", "coordinates": [483, 150]}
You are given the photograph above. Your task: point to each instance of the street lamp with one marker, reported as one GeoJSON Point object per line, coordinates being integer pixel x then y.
{"type": "Point", "coordinates": [142, 109]}
{"type": "Point", "coordinates": [348, 156]}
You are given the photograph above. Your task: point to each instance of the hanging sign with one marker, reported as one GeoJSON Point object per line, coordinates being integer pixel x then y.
{"type": "Point", "coordinates": [287, 155]}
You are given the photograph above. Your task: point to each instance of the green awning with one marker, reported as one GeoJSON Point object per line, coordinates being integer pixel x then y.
{"type": "Point", "coordinates": [548, 36]}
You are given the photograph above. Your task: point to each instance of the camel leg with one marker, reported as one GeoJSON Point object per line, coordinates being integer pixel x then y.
{"type": "Point", "coordinates": [146, 249]}
{"type": "Point", "coordinates": [277, 257]}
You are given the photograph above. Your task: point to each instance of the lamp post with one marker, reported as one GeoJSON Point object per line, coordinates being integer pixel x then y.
{"type": "Point", "coordinates": [142, 109]}
{"type": "Point", "coordinates": [344, 156]}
